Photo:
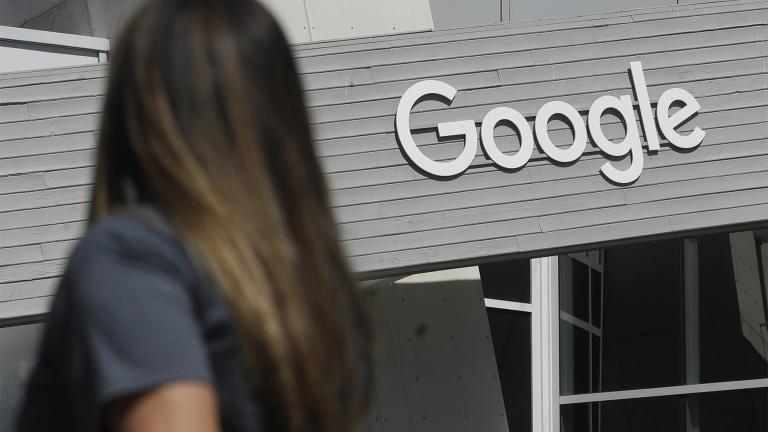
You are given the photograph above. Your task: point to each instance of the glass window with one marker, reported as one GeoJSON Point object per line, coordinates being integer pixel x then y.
{"type": "Point", "coordinates": [580, 298]}
{"type": "Point", "coordinates": [508, 280]}
{"type": "Point", "coordinates": [595, 363]}
{"type": "Point", "coordinates": [510, 327]}
{"type": "Point", "coordinates": [673, 312]}
{"type": "Point", "coordinates": [596, 297]}
{"type": "Point", "coordinates": [642, 333]}
{"type": "Point", "coordinates": [733, 337]}
{"type": "Point", "coordinates": [668, 313]}
{"type": "Point", "coordinates": [574, 359]}
{"type": "Point", "coordinates": [511, 335]}
{"type": "Point", "coordinates": [574, 289]}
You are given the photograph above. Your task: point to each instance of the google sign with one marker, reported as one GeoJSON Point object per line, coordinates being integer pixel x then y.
{"type": "Point", "coordinates": [623, 105]}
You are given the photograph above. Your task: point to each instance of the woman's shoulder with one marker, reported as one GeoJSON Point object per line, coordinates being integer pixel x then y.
{"type": "Point", "coordinates": [126, 318]}
{"type": "Point", "coordinates": [133, 231]}
{"type": "Point", "coordinates": [140, 239]}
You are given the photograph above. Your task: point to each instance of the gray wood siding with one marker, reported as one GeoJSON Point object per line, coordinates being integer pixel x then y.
{"type": "Point", "coordinates": [392, 218]}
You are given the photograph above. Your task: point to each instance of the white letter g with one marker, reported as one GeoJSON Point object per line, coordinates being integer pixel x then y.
{"type": "Point", "coordinates": [456, 128]}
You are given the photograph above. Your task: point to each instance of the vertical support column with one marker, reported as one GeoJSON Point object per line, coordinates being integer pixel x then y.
{"type": "Point", "coordinates": [545, 322]}
{"type": "Point", "coordinates": [691, 317]}
{"type": "Point", "coordinates": [565, 341]}
{"type": "Point", "coordinates": [505, 11]}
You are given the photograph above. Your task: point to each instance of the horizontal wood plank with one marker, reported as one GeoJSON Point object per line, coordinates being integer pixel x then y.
{"type": "Point", "coordinates": [15, 291]}
{"type": "Point", "coordinates": [31, 271]}
{"type": "Point", "coordinates": [38, 216]}
{"type": "Point", "coordinates": [41, 234]}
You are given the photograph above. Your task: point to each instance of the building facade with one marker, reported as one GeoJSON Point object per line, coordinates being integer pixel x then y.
{"type": "Point", "coordinates": [561, 224]}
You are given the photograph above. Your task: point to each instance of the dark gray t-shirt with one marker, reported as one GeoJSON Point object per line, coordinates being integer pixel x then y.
{"type": "Point", "coordinates": [132, 313]}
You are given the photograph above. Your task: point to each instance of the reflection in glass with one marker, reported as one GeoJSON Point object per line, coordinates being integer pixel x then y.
{"type": "Point", "coordinates": [574, 359]}
{"type": "Point", "coordinates": [596, 298]}
{"type": "Point", "coordinates": [580, 289]}
{"type": "Point", "coordinates": [574, 289]}
{"type": "Point", "coordinates": [668, 313]}
{"type": "Point", "coordinates": [511, 335]}
{"type": "Point", "coordinates": [733, 335]}
{"type": "Point", "coordinates": [642, 312]}
{"type": "Point", "coordinates": [508, 280]}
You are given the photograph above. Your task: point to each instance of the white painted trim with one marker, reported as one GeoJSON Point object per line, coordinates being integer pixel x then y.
{"type": "Point", "coordinates": [665, 391]}
{"type": "Point", "coordinates": [507, 305]}
{"type": "Point", "coordinates": [545, 350]}
{"type": "Point", "coordinates": [54, 39]}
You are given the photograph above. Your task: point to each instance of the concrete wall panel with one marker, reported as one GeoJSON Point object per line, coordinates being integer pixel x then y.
{"type": "Point", "coordinates": [352, 18]}
{"type": "Point", "coordinates": [292, 15]}
{"type": "Point", "coordinates": [435, 365]}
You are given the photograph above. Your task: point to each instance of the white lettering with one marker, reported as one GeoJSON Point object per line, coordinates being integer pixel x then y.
{"type": "Point", "coordinates": [631, 142]}
{"type": "Point", "coordinates": [630, 146]}
{"type": "Point", "coordinates": [668, 123]}
{"type": "Point", "coordinates": [545, 113]}
{"type": "Point", "coordinates": [466, 128]}
{"type": "Point", "coordinates": [490, 121]}
{"type": "Point", "coordinates": [646, 114]}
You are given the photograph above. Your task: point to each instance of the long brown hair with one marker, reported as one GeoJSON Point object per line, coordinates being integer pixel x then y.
{"type": "Point", "coordinates": [205, 118]}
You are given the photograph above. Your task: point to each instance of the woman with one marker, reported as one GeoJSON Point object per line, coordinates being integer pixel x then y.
{"type": "Point", "coordinates": [210, 292]}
